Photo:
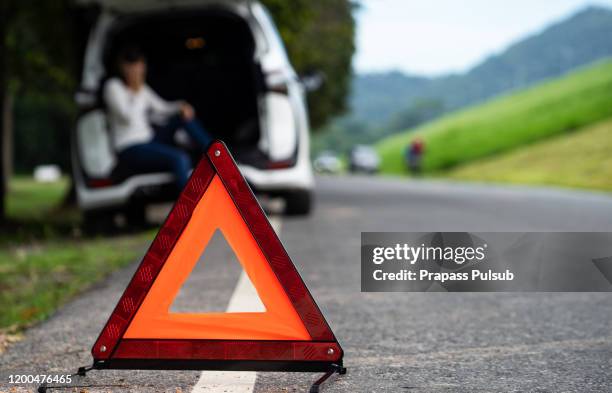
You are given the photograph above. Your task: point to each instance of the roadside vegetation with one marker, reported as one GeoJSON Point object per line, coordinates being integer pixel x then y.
{"type": "Point", "coordinates": [550, 109]}
{"type": "Point", "coordinates": [45, 259]}
{"type": "Point", "coordinates": [581, 159]}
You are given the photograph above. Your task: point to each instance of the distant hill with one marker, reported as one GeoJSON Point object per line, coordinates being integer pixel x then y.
{"type": "Point", "coordinates": [579, 40]}
{"type": "Point", "coordinates": [375, 97]}
{"type": "Point", "coordinates": [552, 108]}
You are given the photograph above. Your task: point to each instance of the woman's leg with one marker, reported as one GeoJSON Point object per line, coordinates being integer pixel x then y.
{"type": "Point", "coordinates": [194, 128]}
{"type": "Point", "coordinates": [158, 156]}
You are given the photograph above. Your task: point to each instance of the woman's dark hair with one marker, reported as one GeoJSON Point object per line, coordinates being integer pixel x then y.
{"type": "Point", "coordinates": [130, 54]}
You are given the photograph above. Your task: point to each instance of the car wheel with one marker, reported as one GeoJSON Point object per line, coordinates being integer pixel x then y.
{"type": "Point", "coordinates": [136, 215]}
{"type": "Point", "coordinates": [98, 221]}
{"type": "Point", "coordinates": [298, 203]}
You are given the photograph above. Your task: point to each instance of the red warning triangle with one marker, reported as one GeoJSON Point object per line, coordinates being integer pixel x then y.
{"type": "Point", "coordinates": [291, 334]}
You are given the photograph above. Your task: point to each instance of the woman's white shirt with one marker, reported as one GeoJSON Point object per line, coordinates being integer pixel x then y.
{"type": "Point", "coordinates": [130, 112]}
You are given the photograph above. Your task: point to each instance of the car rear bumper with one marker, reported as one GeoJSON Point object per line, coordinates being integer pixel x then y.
{"type": "Point", "coordinates": [299, 177]}
{"type": "Point", "coordinates": [150, 186]}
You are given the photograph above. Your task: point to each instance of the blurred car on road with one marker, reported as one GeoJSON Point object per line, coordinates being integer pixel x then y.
{"type": "Point", "coordinates": [363, 159]}
{"type": "Point", "coordinates": [227, 59]}
{"type": "Point", "coordinates": [327, 162]}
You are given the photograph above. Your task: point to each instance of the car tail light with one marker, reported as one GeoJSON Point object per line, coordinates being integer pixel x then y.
{"type": "Point", "coordinates": [281, 164]}
{"type": "Point", "coordinates": [99, 183]}
{"type": "Point", "coordinates": [276, 82]}
{"type": "Point", "coordinates": [280, 88]}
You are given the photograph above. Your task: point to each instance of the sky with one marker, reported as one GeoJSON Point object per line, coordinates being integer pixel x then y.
{"type": "Point", "coordinates": [432, 37]}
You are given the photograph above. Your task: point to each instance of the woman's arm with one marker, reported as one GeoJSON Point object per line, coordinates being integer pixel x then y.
{"type": "Point", "coordinates": [161, 106]}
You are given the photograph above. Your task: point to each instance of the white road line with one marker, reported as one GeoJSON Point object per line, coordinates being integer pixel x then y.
{"type": "Point", "coordinates": [243, 298]}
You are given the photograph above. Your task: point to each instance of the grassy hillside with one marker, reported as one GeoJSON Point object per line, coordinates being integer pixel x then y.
{"type": "Point", "coordinates": [582, 159]}
{"type": "Point", "coordinates": [550, 108]}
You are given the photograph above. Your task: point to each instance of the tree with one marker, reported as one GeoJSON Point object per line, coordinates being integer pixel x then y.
{"type": "Point", "coordinates": [3, 90]}
{"type": "Point", "coordinates": [35, 55]}
{"type": "Point", "coordinates": [319, 36]}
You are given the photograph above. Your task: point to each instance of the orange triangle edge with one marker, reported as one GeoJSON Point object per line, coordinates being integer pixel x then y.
{"type": "Point", "coordinates": [291, 335]}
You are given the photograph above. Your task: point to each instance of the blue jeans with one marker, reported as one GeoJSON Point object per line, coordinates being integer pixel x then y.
{"type": "Point", "coordinates": [162, 155]}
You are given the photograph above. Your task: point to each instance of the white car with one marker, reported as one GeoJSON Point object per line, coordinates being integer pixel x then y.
{"type": "Point", "coordinates": [227, 59]}
{"type": "Point", "coordinates": [327, 162]}
{"type": "Point", "coordinates": [363, 159]}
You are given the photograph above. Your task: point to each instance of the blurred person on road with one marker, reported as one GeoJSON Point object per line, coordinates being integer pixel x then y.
{"type": "Point", "coordinates": [414, 156]}
{"type": "Point", "coordinates": [131, 104]}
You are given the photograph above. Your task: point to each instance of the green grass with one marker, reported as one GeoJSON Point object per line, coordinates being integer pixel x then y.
{"type": "Point", "coordinates": [545, 110]}
{"type": "Point", "coordinates": [582, 159]}
{"type": "Point", "coordinates": [35, 279]}
{"type": "Point", "coordinates": [35, 212]}
{"type": "Point", "coordinates": [41, 266]}
{"type": "Point", "coordinates": [28, 199]}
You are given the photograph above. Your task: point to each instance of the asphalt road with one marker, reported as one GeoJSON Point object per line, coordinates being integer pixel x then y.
{"type": "Point", "coordinates": [394, 342]}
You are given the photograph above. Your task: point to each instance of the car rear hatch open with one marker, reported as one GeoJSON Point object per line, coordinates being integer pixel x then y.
{"type": "Point", "coordinates": [207, 52]}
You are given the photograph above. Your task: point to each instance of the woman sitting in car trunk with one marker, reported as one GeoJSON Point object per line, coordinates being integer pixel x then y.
{"type": "Point", "coordinates": [130, 104]}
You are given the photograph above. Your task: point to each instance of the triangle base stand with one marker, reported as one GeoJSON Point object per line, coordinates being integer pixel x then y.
{"type": "Point", "coordinates": [332, 369]}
